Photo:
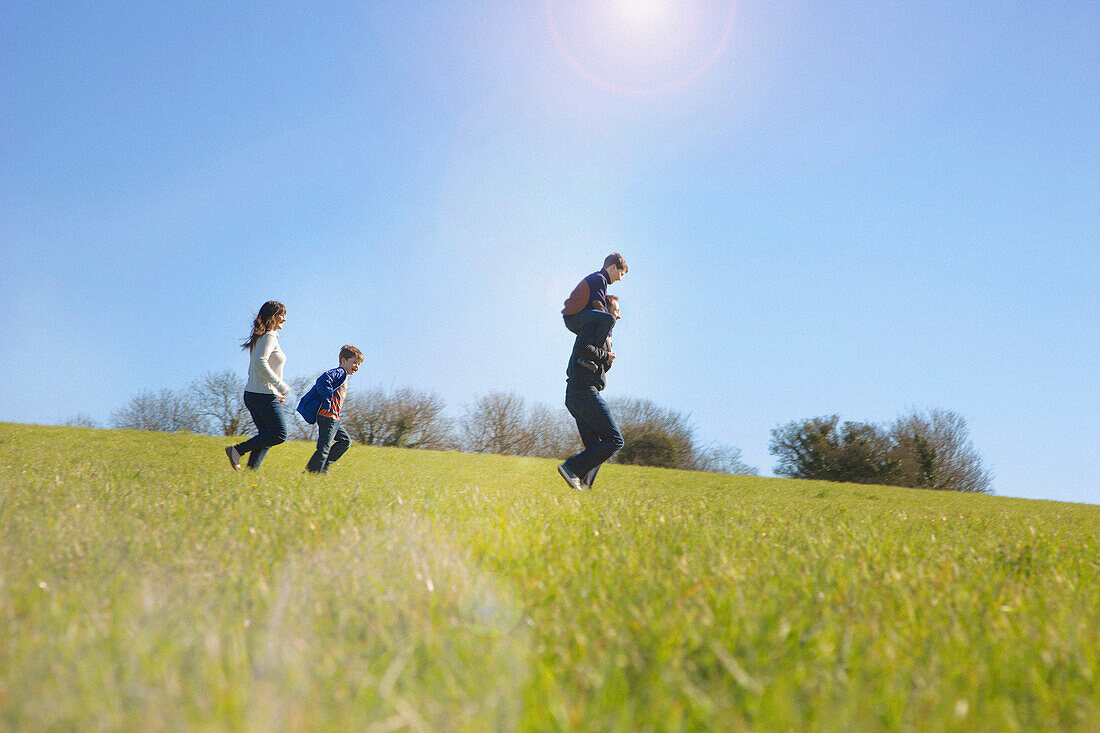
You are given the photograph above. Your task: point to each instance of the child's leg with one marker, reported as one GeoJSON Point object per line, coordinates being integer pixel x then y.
{"type": "Point", "coordinates": [597, 328]}
{"type": "Point", "coordinates": [326, 431]}
{"type": "Point", "coordinates": [340, 444]}
{"type": "Point", "coordinates": [586, 318]}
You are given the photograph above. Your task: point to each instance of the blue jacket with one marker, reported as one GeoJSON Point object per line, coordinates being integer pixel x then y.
{"type": "Point", "coordinates": [593, 287]}
{"type": "Point", "coordinates": [320, 394]}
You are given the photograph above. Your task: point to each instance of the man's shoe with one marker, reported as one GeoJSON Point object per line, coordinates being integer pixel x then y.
{"type": "Point", "coordinates": [589, 365]}
{"type": "Point", "coordinates": [234, 457]}
{"type": "Point", "coordinates": [570, 478]}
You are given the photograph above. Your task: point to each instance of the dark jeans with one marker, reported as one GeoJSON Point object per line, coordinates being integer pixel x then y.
{"type": "Point", "coordinates": [599, 433]}
{"type": "Point", "coordinates": [591, 326]}
{"type": "Point", "coordinates": [270, 418]}
{"type": "Point", "coordinates": [332, 442]}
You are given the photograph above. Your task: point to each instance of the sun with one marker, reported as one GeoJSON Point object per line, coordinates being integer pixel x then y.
{"type": "Point", "coordinates": [641, 46]}
{"type": "Point", "coordinates": [642, 14]}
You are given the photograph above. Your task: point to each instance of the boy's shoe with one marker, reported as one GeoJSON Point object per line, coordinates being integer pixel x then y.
{"type": "Point", "coordinates": [570, 478]}
{"type": "Point", "coordinates": [589, 365]}
{"type": "Point", "coordinates": [234, 457]}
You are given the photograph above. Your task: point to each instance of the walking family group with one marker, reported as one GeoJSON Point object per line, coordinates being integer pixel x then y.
{"type": "Point", "coordinates": [589, 313]}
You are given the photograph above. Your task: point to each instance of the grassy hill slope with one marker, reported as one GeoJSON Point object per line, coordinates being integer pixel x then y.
{"type": "Point", "coordinates": [144, 585]}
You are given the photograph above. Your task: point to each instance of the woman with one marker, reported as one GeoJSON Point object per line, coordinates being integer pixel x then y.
{"type": "Point", "coordinates": [266, 390]}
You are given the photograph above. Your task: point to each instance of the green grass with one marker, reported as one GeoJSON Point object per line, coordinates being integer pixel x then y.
{"type": "Point", "coordinates": [145, 586]}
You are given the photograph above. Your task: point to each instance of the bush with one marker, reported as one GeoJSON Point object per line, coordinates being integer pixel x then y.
{"type": "Point", "coordinates": [654, 448]}
{"type": "Point", "coordinates": [918, 450]}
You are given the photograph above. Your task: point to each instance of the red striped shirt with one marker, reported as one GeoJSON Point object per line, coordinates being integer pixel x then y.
{"type": "Point", "coordinates": [337, 401]}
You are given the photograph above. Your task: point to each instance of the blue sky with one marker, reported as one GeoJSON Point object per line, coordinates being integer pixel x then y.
{"type": "Point", "coordinates": [855, 208]}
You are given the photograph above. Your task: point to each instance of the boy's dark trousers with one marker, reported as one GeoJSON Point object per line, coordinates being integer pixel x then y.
{"type": "Point", "coordinates": [592, 326]}
{"type": "Point", "coordinates": [332, 442]}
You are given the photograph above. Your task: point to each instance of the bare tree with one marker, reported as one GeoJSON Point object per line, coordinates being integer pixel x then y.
{"type": "Point", "coordinates": [298, 428]}
{"type": "Point", "coordinates": [417, 421]}
{"type": "Point", "coordinates": [404, 418]}
{"type": "Point", "coordinates": [166, 411]}
{"type": "Point", "coordinates": [219, 399]}
{"type": "Point", "coordinates": [366, 416]}
{"type": "Point", "coordinates": [497, 423]}
{"type": "Point", "coordinates": [554, 432]}
{"type": "Point", "coordinates": [721, 458]}
{"type": "Point", "coordinates": [933, 451]}
{"type": "Point", "coordinates": [502, 423]}
{"type": "Point", "coordinates": [80, 420]}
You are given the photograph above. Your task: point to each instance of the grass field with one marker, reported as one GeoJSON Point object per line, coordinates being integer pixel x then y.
{"type": "Point", "coordinates": [145, 586]}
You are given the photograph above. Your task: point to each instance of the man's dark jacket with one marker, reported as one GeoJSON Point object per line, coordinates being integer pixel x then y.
{"type": "Point", "coordinates": [577, 377]}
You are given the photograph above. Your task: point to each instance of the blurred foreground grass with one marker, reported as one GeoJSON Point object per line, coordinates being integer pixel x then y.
{"type": "Point", "coordinates": [145, 586]}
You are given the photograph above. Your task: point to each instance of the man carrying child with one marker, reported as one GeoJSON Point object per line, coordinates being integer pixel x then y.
{"type": "Point", "coordinates": [599, 433]}
{"type": "Point", "coordinates": [586, 312]}
{"type": "Point", "coordinates": [591, 314]}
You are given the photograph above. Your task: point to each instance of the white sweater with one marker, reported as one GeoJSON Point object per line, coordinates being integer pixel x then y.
{"type": "Point", "coordinates": [265, 367]}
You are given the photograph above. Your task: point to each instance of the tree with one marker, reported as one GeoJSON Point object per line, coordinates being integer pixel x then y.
{"type": "Point", "coordinates": [933, 451]}
{"type": "Point", "coordinates": [417, 421]}
{"type": "Point", "coordinates": [219, 399]}
{"type": "Point", "coordinates": [554, 432]}
{"type": "Point", "coordinates": [498, 423]}
{"type": "Point", "coordinates": [721, 458]}
{"type": "Point", "coordinates": [503, 423]}
{"type": "Point", "coordinates": [650, 448]}
{"type": "Point", "coordinates": [654, 435]}
{"type": "Point", "coordinates": [865, 455]}
{"type": "Point", "coordinates": [930, 450]}
{"type": "Point", "coordinates": [405, 418]}
{"type": "Point", "coordinates": [823, 448]}
{"type": "Point", "coordinates": [804, 449]}
{"type": "Point", "coordinates": [80, 420]}
{"type": "Point", "coordinates": [297, 427]}
{"type": "Point", "coordinates": [166, 412]}
{"type": "Point", "coordinates": [366, 416]}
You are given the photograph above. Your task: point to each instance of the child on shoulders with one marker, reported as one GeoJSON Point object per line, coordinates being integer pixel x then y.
{"type": "Point", "coordinates": [586, 312]}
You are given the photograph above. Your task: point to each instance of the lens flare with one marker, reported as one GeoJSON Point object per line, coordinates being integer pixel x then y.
{"type": "Point", "coordinates": [641, 47]}
{"type": "Point", "coordinates": [642, 13]}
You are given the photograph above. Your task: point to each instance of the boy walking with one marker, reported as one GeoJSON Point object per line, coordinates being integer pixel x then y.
{"type": "Point", "coordinates": [328, 393]}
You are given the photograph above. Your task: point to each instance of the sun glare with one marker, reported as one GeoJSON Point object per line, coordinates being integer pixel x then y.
{"type": "Point", "coordinates": [647, 14]}
{"type": "Point", "coordinates": [641, 46]}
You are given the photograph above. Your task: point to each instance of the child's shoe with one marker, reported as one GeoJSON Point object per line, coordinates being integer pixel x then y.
{"type": "Point", "coordinates": [589, 365]}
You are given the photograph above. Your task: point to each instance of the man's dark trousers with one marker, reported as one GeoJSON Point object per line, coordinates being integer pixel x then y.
{"type": "Point", "coordinates": [599, 433]}
{"type": "Point", "coordinates": [332, 442]}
